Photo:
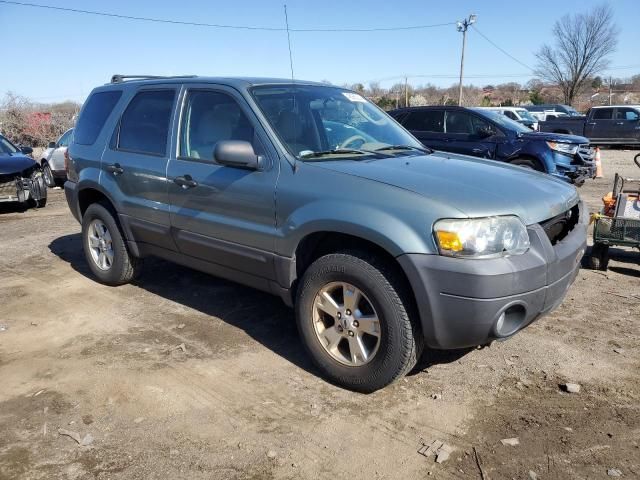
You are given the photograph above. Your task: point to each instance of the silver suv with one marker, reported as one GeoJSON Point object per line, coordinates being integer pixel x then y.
{"type": "Point", "coordinates": [52, 160]}
{"type": "Point", "coordinates": [312, 193]}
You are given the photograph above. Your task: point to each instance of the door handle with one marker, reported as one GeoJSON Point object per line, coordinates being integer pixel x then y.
{"type": "Point", "coordinates": [591, 123]}
{"type": "Point", "coordinates": [619, 123]}
{"type": "Point", "coordinates": [185, 181]}
{"type": "Point", "coordinates": [478, 150]}
{"type": "Point", "coordinates": [116, 169]}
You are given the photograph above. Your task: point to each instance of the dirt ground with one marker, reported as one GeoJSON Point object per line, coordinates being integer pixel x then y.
{"type": "Point", "coordinates": [240, 400]}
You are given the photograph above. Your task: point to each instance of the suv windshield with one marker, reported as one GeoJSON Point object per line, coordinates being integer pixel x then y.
{"type": "Point", "coordinates": [313, 120]}
{"type": "Point", "coordinates": [503, 121]}
{"type": "Point", "coordinates": [6, 146]}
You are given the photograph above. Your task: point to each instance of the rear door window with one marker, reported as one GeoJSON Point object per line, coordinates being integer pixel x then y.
{"type": "Point", "coordinates": [627, 114]}
{"type": "Point", "coordinates": [144, 126]}
{"type": "Point", "coordinates": [94, 115]}
{"type": "Point", "coordinates": [425, 121]}
{"type": "Point", "coordinates": [603, 114]}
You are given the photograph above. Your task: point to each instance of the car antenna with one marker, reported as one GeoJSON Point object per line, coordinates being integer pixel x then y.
{"type": "Point", "coordinates": [293, 81]}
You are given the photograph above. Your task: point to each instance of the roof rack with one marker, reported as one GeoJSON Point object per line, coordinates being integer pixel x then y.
{"type": "Point", "coordinates": [121, 78]}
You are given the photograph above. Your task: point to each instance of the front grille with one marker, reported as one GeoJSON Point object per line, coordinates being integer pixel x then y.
{"type": "Point", "coordinates": [586, 154]}
{"type": "Point", "coordinates": [561, 225]}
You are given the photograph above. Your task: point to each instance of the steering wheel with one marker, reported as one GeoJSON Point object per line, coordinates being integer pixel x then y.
{"type": "Point", "coordinates": [352, 139]}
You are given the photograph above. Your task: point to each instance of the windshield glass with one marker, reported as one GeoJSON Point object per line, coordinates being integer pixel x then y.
{"type": "Point", "coordinates": [6, 146]}
{"type": "Point", "coordinates": [524, 114]}
{"type": "Point", "coordinates": [571, 111]}
{"type": "Point", "coordinates": [503, 121]}
{"type": "Point", "coordinates": [310, 119]}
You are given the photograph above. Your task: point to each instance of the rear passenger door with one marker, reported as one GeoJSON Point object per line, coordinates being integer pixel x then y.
{"type": "Point", "coordinates": [628, 124]}
{"type": "Point", "coordinates": [134, 165]}
{"type": "Point", "coordinates": [226, 215]}
{"type": "Point", "coordinates": [427, 126]}
{"type": "Point", "coordinates": [600, 126]}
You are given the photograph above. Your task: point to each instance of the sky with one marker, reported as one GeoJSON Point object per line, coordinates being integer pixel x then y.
{"type": "Point", "coordinates": [57, 55]}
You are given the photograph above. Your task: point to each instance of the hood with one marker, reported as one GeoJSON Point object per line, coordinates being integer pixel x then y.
{"type": "Point", "coordinates": [15, 163]}
{"type": "Point", "coordinates": [475, 187]}
{"type": "Point", "coordinates": [554, 137]}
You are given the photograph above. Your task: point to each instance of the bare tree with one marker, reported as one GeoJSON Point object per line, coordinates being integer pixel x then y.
{"type": "Point", "coordinates": [583, 43]}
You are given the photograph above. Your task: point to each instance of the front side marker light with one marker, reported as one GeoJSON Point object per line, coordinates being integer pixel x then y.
{"type": "Point", "coordinates": [449, 241]}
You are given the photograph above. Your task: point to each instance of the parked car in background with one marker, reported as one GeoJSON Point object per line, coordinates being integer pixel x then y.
{"type": "Point", "coordinates": [518, 114]}
{"type": "Point", "coordinates": [554, 107]}
{"type": "Point", "coordinates": [20, 177]}
{"type": "Point", "coordinates": [610, 125]}
{"type": "Point", "coordinates": [487, 134]}
{"type": "Point", "coordinates": [52, 160]}
{"type": "Point", "coordinates": [313, 193]}
{"type": "Point", "coordinates": [543, 116]}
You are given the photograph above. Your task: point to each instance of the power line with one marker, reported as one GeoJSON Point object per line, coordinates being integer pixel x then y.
{"type": "Point", "coordinates": [218, 25]}
{"type": "Point", "coordinates": [501, 49]}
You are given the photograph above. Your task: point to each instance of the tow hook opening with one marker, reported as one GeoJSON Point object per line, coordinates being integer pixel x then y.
{"type": "Point", "coordinates": [510, 320]}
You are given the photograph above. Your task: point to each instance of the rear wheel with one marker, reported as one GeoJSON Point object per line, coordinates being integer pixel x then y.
{"type": "Point", "coordinates": [529, 163]}
{"type": "Point", "coordinates": [105, 249]}
{"type": "Point", "coordinates": [354, 316]}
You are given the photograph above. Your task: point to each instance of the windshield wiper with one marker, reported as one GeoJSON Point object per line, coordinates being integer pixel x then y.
{"type": "Point", "coordinates": [404, 147]}
{"type": "Point", "coordinates": [340, 151]}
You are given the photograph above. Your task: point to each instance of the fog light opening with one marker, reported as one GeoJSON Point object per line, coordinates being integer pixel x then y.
{"type": "Point", "coordinates": [510, 320]}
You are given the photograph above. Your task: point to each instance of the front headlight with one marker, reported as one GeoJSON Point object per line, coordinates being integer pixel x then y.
{"type": "Point", "coordinates": [568, 148]}
{"type": "Point", "coordinates": [481, 237]}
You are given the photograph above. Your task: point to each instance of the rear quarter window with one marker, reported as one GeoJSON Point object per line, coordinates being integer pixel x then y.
{"type": "Point", "coordinates": [94, 115]}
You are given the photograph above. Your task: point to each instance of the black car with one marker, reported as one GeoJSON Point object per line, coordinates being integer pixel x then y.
{"type": "Point", "coordinates": [21, 179]}
{"type": "Point", "coordinates": [487, 134]}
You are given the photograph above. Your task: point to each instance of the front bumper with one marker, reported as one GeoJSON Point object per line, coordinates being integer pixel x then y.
{"type": "Point", "coordinates": [576, 169]}
{"type": "Point", "coordinates": [464, 302]}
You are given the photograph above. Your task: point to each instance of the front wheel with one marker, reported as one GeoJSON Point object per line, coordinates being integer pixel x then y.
{"type": "Point", "coordinates": [105, 250]}
{"type": "Point", "coordinates": [354, 314]}
{"type": "Point", "coordinates": [48, 175]}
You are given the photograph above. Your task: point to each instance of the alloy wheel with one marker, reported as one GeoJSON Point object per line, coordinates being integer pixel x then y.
{"type": "Point", "coordinates": [346, 324]}
{"type": "Point", "coordinates": [100, 244]}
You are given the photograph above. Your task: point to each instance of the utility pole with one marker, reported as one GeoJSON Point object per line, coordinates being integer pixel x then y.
{"type": "Point", "coordinates": [462, 27]}
{"type": "Point", "coordinates": [610, 93]}
{"type": "Point", "coordinates": [406, 92]}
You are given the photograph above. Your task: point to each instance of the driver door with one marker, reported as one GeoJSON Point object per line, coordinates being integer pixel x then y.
{"type": "Point", "coordinates": [464, 131]}
{"type": "Point", "coordinates": [224, 215]}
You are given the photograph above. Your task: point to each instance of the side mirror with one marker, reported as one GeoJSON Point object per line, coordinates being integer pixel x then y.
{"type": "Point", "coordinates": [485, 132]}
{"type": "Point", "coordinates": [26, 150]}
{"type": "Point", "coordinates": [52, 145]}
{"type": "Point", "coordinates": [238, 154]}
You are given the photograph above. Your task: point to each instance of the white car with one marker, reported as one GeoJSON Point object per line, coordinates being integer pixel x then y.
{"type": "Point", "coordinates": [547, 114]}
{"type": "Point", "coordinates": [52, 161]}
{"type": "Point", "coordinates": [519, 114]}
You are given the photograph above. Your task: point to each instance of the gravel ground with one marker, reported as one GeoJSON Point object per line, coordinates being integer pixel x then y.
{"type": "Point", "coordinates": [239, 399]}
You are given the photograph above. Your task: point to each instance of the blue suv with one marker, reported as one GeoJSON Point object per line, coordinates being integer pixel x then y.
{"type": "Point", "coordinates": [488, 134]}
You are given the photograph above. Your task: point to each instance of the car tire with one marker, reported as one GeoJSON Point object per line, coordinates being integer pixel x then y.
{"type": "Point", "coordinates": [383, 295]}
{"type": "Point", "coordinates": [48, 175]}
{"type": "Point", "coordinates": [101, 234]}
{"type": "Point", "coordinates": [529, 163]}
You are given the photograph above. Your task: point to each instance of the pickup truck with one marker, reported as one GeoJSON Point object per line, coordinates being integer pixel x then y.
{"type": "Point", "coordinates": [610, 125]}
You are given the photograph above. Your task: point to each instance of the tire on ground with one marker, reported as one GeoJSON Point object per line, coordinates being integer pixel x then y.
{"type": "Point", "coordinates": [401, 340]}
{"type": "Point", "coordinates": [125, 266]}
